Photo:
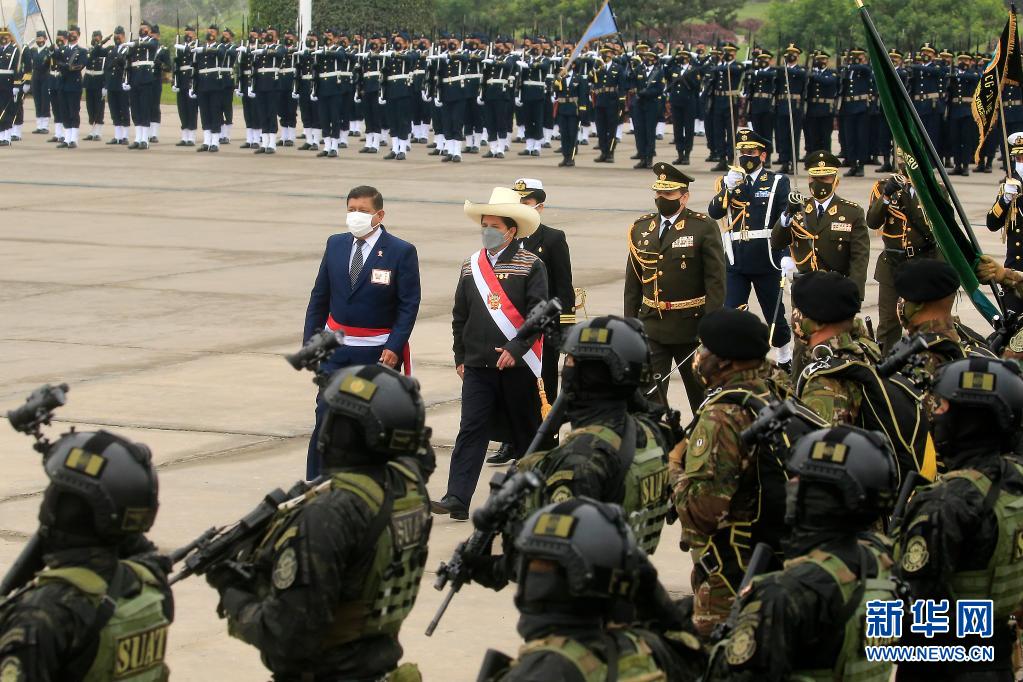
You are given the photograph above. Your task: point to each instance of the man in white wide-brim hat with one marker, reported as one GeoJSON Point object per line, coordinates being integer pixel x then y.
{"type": "Point", "coordinates": [498, 287]}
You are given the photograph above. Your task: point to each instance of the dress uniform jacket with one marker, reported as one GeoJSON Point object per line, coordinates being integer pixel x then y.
{"type": "Point", "coordinates": [71, 66]}
{"type": "Point", "coordinates": [904, 231]}
{"type": "Point", "coordinates": [673, 281]}
{"type": "Point", "coordinates": [760, 89]}
{"type": "Point", "coordinates": [837, 241]}
{"type": "Point", "coordinates": [608, 85]}
{"type": "Point", "coordinates": [385, 296]}
{"type": "Point", "coordinates": [141, 61]}
{"type": "Point", "coordinates": [550, 245]}
{"type": "Point", "coordinates": [822, 90]}
{"type": "Point", "coordinates": [998, 217]}
{"type": "Point", "coordinates": [750, 202]}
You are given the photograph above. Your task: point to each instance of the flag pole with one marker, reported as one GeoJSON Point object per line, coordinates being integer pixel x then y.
{"type": "Point", "coordinates": [1011, 222]}
{"type": "Point", "coordinates": [935, 159]}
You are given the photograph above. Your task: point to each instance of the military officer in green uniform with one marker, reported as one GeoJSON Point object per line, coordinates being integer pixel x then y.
{"type": "Point", "coordinates": [807, 621]}
{"type": "Point", "coordinates": [579, 570]}
{"type": "Point", "coordinates": [729, 495]}
{"type": "Point", "coordinates": [831, 233]}
{"type": "Point", "coordinates": [674, 276]}
{"type": "Point", "coordinates": [895, 212]}
{"type": "Point", "coordinates": [960, 537]}
{"type": "Point", "coordinates": [335, 578]}
{"type": "Point", "coordinates": [841, 383]}
{"type": "Point", "coordinates": [103, 590]}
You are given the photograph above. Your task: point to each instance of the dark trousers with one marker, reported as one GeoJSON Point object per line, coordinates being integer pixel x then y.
{"type": "Point", "coordinates": [453, 115]}
{"type": "Point", "coordinates": [818, 132]}
{"type": "Point", "coordinates": [120, 112]}
{"type": "Point", "coordinates": [767, 286]}
{"type": "Point", "coordinates": [644, 123]}
{"type": "Point", "coordinates": [532, 118]}
{"type": "Point", "coordinates": [783, 130]}
{"type": "Point", "coordinates": [94, 105]}
{"type": "Point", "coordinates": [343, 357]}
{"type": "Point", "coordinates": [249, 112]}
{"type": "Point", "coordinates": [962, 140]}
{"type": "Point", "coordinates": [140, 97]}
{"type": "Point", "coordinates": [683, 124]}
{"type": "Point", "coordinates": [662, 358]}
{"type": "Point", "coordinates": [227, 105]}
{"type": "Point", "coordinates": [266, 111]}
{"type": "Point", "coordinates": [209, 109]}
{"type": "Point", "coordinates": [763, 124]}
{"type": "Point", "coordinates": [329, 115]}
{"type": "Point", "coordinates": [485, 391]}
{"type": "Point", "coordinates": [288, 109]}
{"type": "Point", "coordinates": [497, 119]}
{"type": "Point", "coordinates": [8, 108]}
{"type": "Point", "coordinates": [857, 138]}
{"type": "Point", "coordinates": [72, 104]}
{"type": "Point", "coordinates": [932, 124]}
{"type": "Point", "coordinates": [41, 98]}
{"type": "Point", "coordinates": [310, 111]}
{"type": "Point", "coordinates": [373, 112]}
{"type": "Point", "coordinates": [606, 120]}
{"type": "Point", "coordinates": [188, 111]}
{"type": "Point", "coordinates": [473, 116]}
{"type": "Point", "coordinates": [724, 130]}
{"type": "Point", "coordinates": [56, 106]}
{"type": "Point", "coordinates": [155, 93]}
{"type": "Point", "coordinates": [569, 128]}
{"type": "Point", "coordinates": [399, 117]}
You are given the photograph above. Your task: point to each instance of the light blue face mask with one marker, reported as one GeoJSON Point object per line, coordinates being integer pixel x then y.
{"type": "Point", "coordinates": [492, 238]}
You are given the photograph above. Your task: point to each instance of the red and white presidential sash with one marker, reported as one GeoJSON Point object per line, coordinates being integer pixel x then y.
{"type": "Point", "coordinates": [501, 309]}
{"type": "Point", "coordinates": [365, 337]}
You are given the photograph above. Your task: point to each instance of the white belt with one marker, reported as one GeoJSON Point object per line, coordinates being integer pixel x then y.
{"type": "Point", "coordinates": [400, 77]}
{"type": "Point", "coordinates": [539, 84]}
{"type": "Point", "coordinates": [290, 70]}
{"type": "Point", "coordinates": [307, 77]}
{"type": "Point", "coordinates": [335, 73]}
{"type": "Point", "coordinates": [52, 73]}
{"type": "Point", "coordinates": [749, 234]}
{"type": "Point", "coordinates": [456, 79]}
{"type": "Point", "coordinates": [226, 68]}
{"type": "Point", "coordinates": [134, 64]}
{"type": "Point", "coordinates": [474, 75]}
{"type": "Point", "coordinates": [86, 72]}
{"type": "Point", "coordinates": [371, 73]}
{"type": "Point", "coordinates": [267, 70]}
{"type": "Point", "coordinates": [419, 72]}
{"type": "Point", "coordinates": [212, 69]}
{"type": "Point", "coordinates": [502, 81]}
{"type": "Point", "coordinates": [185, 68]}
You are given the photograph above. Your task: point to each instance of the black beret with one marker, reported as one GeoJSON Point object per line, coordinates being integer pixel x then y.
{"type": "Point", "coordinates": [925, 279]}
{"type": "Point", "coordinates": [734, 334]}
{"type": "Point", "coordinates": [826, 297]}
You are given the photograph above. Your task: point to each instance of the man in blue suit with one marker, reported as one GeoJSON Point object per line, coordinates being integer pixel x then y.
{"type": "Point", "coordinates": [368, 287]}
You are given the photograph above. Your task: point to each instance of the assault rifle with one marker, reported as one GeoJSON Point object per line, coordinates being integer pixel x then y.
{"type": "Point", "coordinates": [508, 491]}
{"type": "Point", "coordinates": [909, 484]}
{"type": "Point", "coordinates": [759, 562]}
{"type": "Point", "coordinates": [230, 545]}
{"type": "Point", "coordinates": [902, 355]}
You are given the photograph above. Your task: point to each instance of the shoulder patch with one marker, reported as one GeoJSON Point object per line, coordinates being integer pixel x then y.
{"type": "Point", "coordinates": [741, 645]}
{"type": "Point", "coordinates": [285, 569]}
{"type": "Point", "coordinates": [10, 670]}
{"type": "Point", "coordinates": [916, 555]}
{"type": "Point", "coordinates": [561, 494]}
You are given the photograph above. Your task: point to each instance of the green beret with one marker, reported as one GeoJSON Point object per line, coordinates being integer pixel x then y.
{"type": "Point", "coordinates": [734, 334]}
{"type": "Point", "coordinates": [826, 297]}
{"type": "Point", "coordinates": [919, 280]}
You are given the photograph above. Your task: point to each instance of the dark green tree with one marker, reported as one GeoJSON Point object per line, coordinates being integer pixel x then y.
{"type": "Point", "coordinates": [369, 15]}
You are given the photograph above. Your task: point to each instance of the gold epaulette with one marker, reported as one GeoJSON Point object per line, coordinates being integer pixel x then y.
{"type": "Point", "coordinates": [701, 216]}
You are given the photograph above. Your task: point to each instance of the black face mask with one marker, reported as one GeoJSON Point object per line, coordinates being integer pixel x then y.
{"type": "Point", "coordinates": [749, 163]}
{"type": "Point", "coordinates": [791, 58]}
{"type": "Point", "coordinates": [210, 37]}
{"type": "Point", "coordinates": [452, 46]}
{"type": "Point", "coordinates": [668, 207]}
{"type": "Point", "coordinates": [535, 51]}
{"type": "Point", "coordinates": [310, 43]}
{"type": "Point", "coordinates": [225, 40]}
{"type": "Point", "coordinates": [821, 190]}
{"type": "Point", "coordinates": [422, 46]}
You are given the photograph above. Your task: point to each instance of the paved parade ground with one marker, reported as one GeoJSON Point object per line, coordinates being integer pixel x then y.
{"type": "Point", "coordinates": [164, 287]}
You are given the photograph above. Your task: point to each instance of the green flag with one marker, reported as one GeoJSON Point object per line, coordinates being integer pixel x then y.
{"type": "Point", "coordinates": [940, 204]}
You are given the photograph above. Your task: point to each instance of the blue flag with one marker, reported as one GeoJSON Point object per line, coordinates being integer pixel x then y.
{"type": "Point", "coordinates": [603, 24]}
{"type": "Point", "coordinates": [22, 12]}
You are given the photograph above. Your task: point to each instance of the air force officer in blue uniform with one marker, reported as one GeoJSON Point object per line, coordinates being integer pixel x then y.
{"type": "Point", "coordinates": [368, 287]}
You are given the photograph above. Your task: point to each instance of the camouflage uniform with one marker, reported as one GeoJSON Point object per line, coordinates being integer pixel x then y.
{"type": "Point", "coordinates": [46, 631]}
{"type": "Point", "coordinates": [836, 400]}
{"type": "Point", "coordinates": [308, 611]}
{"type": "Point", "coordinates": [723, 494]}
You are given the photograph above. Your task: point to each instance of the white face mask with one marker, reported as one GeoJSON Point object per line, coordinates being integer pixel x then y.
{"type": "Point", "coordinates": [1019, 168]}
{"type": "Point", "coordinates": [359, 224]}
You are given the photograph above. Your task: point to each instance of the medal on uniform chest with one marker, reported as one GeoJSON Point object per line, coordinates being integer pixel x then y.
{"type": "Point", "coordinates": [493, 301]}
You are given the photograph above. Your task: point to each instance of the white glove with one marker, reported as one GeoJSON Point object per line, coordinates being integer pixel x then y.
{"type": "Point", "coordinates": [243, 48]}
{"type": "Point", "coordinates": [357, 99]}
{"type": "Point", "coordinates": [488, 61]}
{"type": "Point", "coordinates": [192, 95]}
{"type": "Point", "coordinates": [199, 50]}
{"type": "Point", "coordinates": [256, 53]}
{"type": "Point", "coordinates": [518, 101]}
{"type": "Point", "coordinates": [1010, 190]}
{"type": "Point", "coordinates": [14, 91]}
{"type": "Point", "coordinates": [252, 93]}
{"type": "Point", "coordinates": [438, 103]}
{"type": "Point", "coordinates": [732, 179]}
{"type": "Point", "coordinates": [382, 100]}
{"type": "Point", "coordinates": [130, 43]}
{"type": "Point", "coordinates": [426, 97]}
{"type": "Point", "coordinates": [238, 93]}
{"type": "Point", "coordinates": [523, 64]}
{"type": "Point", "coordinates": [126, 87]}
{"type": "Point", "coordinates": [28, 88]}
{"type": "Point", "coordinates": [179, 47]}
{"type": "Point", "coordinates": [294, 95]}
{"type": "Point", "coordinates": [175, 88]}
{"type": "Point", "coordinates": [104, 92]}
{"type": "Point", "coordinates": [788, 266]}
{"type": "Point", "coordinates": [314, 98]}
{"type": "Point", "coordinates": [479, 100]}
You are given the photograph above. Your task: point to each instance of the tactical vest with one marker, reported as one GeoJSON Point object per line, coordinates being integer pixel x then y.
{"type": "Point", "coordinates": [636, 665]}
{"type": "Point", "coordinates": [890, 405]}
{"type": "Point", "coordinates": [133, 642]}
{"type": "Point", "coordinates": [397, 543]}
{"type": "Point", "coordinates": [852, 664]}
{"type": "Point", "coordinates": [646, 484]}
{"type": "Point", "coordinates": [1002, 579]}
